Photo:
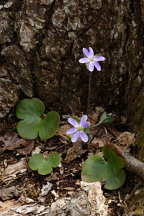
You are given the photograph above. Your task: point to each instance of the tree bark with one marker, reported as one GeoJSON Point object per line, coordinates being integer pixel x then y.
{"type": "Point", "coordinates": [42, 41]}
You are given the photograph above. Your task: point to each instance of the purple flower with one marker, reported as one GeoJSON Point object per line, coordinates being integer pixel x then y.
{"type": "Point", "coordinates": [78, 129]}
{"type": "Point", "coordinates": [91, 60]}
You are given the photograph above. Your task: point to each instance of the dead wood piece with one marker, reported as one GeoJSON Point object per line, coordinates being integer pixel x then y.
{"type": "Point", "coordinates": [80, 204]}
{"type": "Point", "coordinates": [8, 193]}
{"type": "Point", "coordinates": [76, 206]}
{"type": "Point", "coordinates": [14, 208]}
{"type": "Point", "coordinates": [35, 208]}
{"type": "Point", "coordinates": [13, 170]}
{"type": "Point", "coordinates": [97, 200]}
{"type": "Point", "coordinates": [134, 164]}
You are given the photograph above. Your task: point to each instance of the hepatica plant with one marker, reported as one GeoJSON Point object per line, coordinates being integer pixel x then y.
{"type": "Point", "coordinates": [107, 166]}
{"type": "Point", "coordinates": [44, 164]}
{"type": "Point", "coordinates": [34, 122]}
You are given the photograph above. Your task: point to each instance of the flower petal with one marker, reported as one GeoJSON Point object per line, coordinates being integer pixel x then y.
{"type": "Point", "coordinates": [84, 60]}
{"type": "Point", "coordinates": [83, 122]}
{"type": "Point", "coordinates": [75, 136]}
{"type": "Point", "coordinates": [90, 66]}
{"type": "Point", "coordinates": [73, 122]}
{"type": "Point", "coordinates": [86, 52]}
{"type": "Point", "coordinates": [97, 66]}
{"type": "Point", "coordinates": [100, 58]}
{"type": "Point", "coordinates": [86, 124]}
{"type": "Point", "coordinates": [83, 136]}
{"type": "Point", "coordinates": [71, 131]}
{"type": "Point", "coordinates": [83, 118]}
{"type": "Point", "coordinates": [91, 53]}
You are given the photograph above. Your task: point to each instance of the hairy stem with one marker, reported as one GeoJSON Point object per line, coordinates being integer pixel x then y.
{"type": "Point", "coordinates": [89, 92]}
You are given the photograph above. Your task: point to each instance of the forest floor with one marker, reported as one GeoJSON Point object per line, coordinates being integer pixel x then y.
{"type": "Point", "coordinates": [24, 192]}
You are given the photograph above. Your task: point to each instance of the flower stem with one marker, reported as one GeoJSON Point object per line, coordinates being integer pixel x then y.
{"type": "Point", "coordinates": [89, 92]}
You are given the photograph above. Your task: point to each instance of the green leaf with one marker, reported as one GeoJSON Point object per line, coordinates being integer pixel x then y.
{"type": "Point", "coordinates": [116, 175]}
{"type": "Point", "coordinates": [35, 160]}
{"type": "Point", "coordinates": [44, 168]}
{"type": "Point", "coordinates": [116, 180]}
{"type": "Point", "coordinates": [34, 122]}
{"type": "Point", "coordinates": [44, 165]}
{"type": "Point", "coordinates": [105, 118]}
{"type": "Point", "coordinates": [49, 125]}
{"type": "Point", "coordinates": [55, 159]}
{"type": "Point", "coordinates": [96, 168]}
{"type": "Point", "coordinates": [28, 109]}
{"type": "Point", "coordinates": [27, 129]}
{"type": "Point", "coordinates": [113, 159]}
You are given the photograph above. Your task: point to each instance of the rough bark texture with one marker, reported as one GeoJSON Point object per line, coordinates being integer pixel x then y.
{"type": "Point", "coordinates": [42, 40]}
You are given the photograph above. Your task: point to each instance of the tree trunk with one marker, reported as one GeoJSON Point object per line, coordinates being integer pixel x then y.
{"type": "Point", "coordinates": [41, 42]}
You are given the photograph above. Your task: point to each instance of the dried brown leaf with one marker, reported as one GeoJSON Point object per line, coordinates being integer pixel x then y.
{"type": "Point", "coordinates": [11, 141]}
{"type": "Point", "coordinates": [98, 142]}
{"type": "Point", "coordinates": [125, 140]}
{"type": "Point", "coordinates": [27, 149]}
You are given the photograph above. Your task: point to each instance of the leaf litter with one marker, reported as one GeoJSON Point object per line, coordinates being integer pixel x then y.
{"type": "Point", "coordinates": [11, 141]}
{"type": "Point", "coordinates": [65, 193]}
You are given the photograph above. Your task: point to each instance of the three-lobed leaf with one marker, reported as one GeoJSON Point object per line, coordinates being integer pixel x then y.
{"type": "Point", "coordinates": [96, 168]}
{"type": "Point", "coordinates": [33, 120]}
{"type": "Point", "coordinates": [44, 165]}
